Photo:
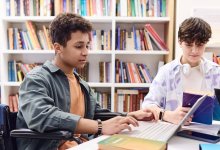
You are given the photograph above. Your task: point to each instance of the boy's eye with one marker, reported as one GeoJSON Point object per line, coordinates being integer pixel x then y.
{"type": "Point", "coordinates": [88, 46]}
{"type": "Point", "coordinates": [79, 46]}
{"type": "Point", "coordinates": [82, 46]}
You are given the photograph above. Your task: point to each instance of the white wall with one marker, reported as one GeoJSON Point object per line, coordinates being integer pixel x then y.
{"type": "Point", "coordinates": [184, 9]}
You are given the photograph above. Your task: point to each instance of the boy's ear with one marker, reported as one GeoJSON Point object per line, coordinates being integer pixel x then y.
{"type": "Point", "coordinates": [57, 48]}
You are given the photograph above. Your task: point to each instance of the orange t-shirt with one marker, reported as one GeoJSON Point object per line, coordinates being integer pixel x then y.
{"type": "Point", "coordinates": [77, 105]}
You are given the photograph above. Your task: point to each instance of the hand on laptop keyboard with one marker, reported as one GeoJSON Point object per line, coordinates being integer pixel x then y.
{"type": "Point", "coordinates": [143, 115]}
{"type": "Point", "coordinates": [117, 124]}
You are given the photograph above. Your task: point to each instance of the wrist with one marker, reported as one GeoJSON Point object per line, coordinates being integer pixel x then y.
{"type": "Point", "coordinates": [124, 114]}
{"type": "Point", "coordinates": [166, 116]}
{"type": "Point", "coordinates": [130, 114]}
{"type": "Point", "coordinates": [99, 127]}
{"type": "Point", "coordinates": [161, 114]}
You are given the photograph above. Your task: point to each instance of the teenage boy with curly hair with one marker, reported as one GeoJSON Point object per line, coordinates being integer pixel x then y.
{"type": "Point", "coordinates": [54, 97]}
{"type": "Point", "coordinates": [189, 72]}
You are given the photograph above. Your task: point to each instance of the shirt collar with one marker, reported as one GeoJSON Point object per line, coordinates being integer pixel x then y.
{"type": "Point", "coordinates": [208, 65]}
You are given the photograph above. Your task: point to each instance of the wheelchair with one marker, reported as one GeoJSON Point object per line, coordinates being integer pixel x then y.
{"type": "Point", "coordinates": [9, 133]}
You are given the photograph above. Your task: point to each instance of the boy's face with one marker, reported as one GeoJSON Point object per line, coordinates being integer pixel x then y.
{"type": "Point", "coordinates": [75, 53]}
{"type": "Point", "coordinates": [192, 53]}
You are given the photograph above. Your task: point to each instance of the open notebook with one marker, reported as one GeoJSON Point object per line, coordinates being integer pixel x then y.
{"type": "Point", "coordinates": [160, 130]}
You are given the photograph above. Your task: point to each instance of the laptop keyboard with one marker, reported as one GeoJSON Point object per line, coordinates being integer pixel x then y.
{"type": "Point", "coordinates": [161, 131]}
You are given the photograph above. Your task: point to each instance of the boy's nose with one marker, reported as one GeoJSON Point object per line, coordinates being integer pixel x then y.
{"type": "Point", "coordinates": [195, 49]}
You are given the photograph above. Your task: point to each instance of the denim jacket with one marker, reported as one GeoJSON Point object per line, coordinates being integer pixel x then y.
{"type": "Point", "coordinates": [166, 89]}
{"type": "Point", "coordinates": [44, 105]}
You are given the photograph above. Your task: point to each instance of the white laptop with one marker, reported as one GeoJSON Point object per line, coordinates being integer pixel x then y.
{"type": "Point", "coordinates": [160, 130]}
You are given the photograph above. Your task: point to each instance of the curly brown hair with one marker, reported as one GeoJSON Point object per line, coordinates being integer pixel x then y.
{"type": "Point", "coordinates": [194, 30]}
{"type": "Point", "coordinates": [65, 24]}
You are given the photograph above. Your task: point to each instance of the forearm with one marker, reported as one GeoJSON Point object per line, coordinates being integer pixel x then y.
{"type": "Point", "coordinates": [86, 126]}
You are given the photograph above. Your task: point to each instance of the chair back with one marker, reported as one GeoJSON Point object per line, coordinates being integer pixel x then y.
{"type": "Point", "coordinates": [7, 123]}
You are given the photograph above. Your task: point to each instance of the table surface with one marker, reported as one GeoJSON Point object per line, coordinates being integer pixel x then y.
{"type": "Point", "coordinates": [175, 143]}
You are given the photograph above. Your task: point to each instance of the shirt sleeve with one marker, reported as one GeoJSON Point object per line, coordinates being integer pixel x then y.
{"type": "Point", "coordinates": [157, 90]}
{"type": "Point", "coordinates": [39, 110]}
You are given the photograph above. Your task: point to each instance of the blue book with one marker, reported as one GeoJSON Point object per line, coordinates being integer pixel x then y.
{"type": "Point", "coordinates": [204, 114]}
{"type": "Point", "coordinates": [216, 114]}
{"type": "Point", "coordinates": [209, 146]}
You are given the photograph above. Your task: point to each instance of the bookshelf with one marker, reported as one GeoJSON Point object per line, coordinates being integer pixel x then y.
{"type": "Point", "coordinates": [163, 25]}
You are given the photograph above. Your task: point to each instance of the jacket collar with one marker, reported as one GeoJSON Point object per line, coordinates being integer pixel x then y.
{"type": "Point", "coordinates": [53, 68]}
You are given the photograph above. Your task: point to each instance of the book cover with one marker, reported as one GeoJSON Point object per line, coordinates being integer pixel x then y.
{"type": "Point", "coordinates": [123, 142]}
{"type": "Point", "coordinates": [205, 109]}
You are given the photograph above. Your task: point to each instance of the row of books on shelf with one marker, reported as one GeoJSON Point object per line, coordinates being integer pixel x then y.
{"type": "Point", "coordinates": [29, 39]}
{"type": "Point", "coordinates": [127, 100]}
{"type": "Point", "coordinates": [13, 102]}
{"type": "Point", "coordinates": [101, 40]}
{"type": "Point", "coordinates": [135, 8]}
{"type": "Point", "coordinates": [17, 70]}
{"type": "Point", "coordinates": [105, 71]}
{"type": "Point", "coordinates": [127, 72]}
{"type": "Point", "coordinates": [54, 7]}
{"type": "Point", "coordinates": [34, 38]}
{"type": "Point", "coordinates": [104, 99]}
{"type": "Point", "coordinates": [141, 8]}
{"type": "Point", "coordinates": [139, 39]}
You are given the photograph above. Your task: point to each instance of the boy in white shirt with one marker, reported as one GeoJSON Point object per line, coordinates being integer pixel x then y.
{"type": "Point", "coordinates": [189, 72]}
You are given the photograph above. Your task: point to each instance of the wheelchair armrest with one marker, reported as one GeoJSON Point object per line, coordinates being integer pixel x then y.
{"type": "Point", "coordinates": [106, 115]}
{"type": "Point", "coordinates": [55, 135]}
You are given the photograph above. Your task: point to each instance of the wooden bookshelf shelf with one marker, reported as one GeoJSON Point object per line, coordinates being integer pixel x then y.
{"type": "Point", "coordinates": [93, 85]}
{"type": "Point", "coordinates": [11, 84]}
{"type": "Point", "coordinates": [92, 52]}
{"type": "Point", "coordinates": [132, 52]}
{"type": "Point", "coordinates": [15, 19]}
{"type": "Point", "coordinates": [142, 19]}
{"type": "Point", "coordinates": [28, 52]}
{"type": "Point", "coordinates": [131, 85]}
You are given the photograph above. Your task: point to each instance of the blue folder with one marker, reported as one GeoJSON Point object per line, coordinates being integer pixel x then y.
{"type": "Point", "coordinates": [204, 114]}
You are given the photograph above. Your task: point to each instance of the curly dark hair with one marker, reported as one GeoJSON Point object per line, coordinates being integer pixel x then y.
{"type": "Point", "coordinates": [65, 24]}
{"type": "Point", "coordinates": [194, 30]}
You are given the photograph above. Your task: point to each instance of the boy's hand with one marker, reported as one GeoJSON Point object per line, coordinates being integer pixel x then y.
{"type": "Point", "coordinates": [117, 124]}
{"type": "Point", "coordinates": [177, 115]}
{"type": "Point", "coordinates": [142, 115]}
